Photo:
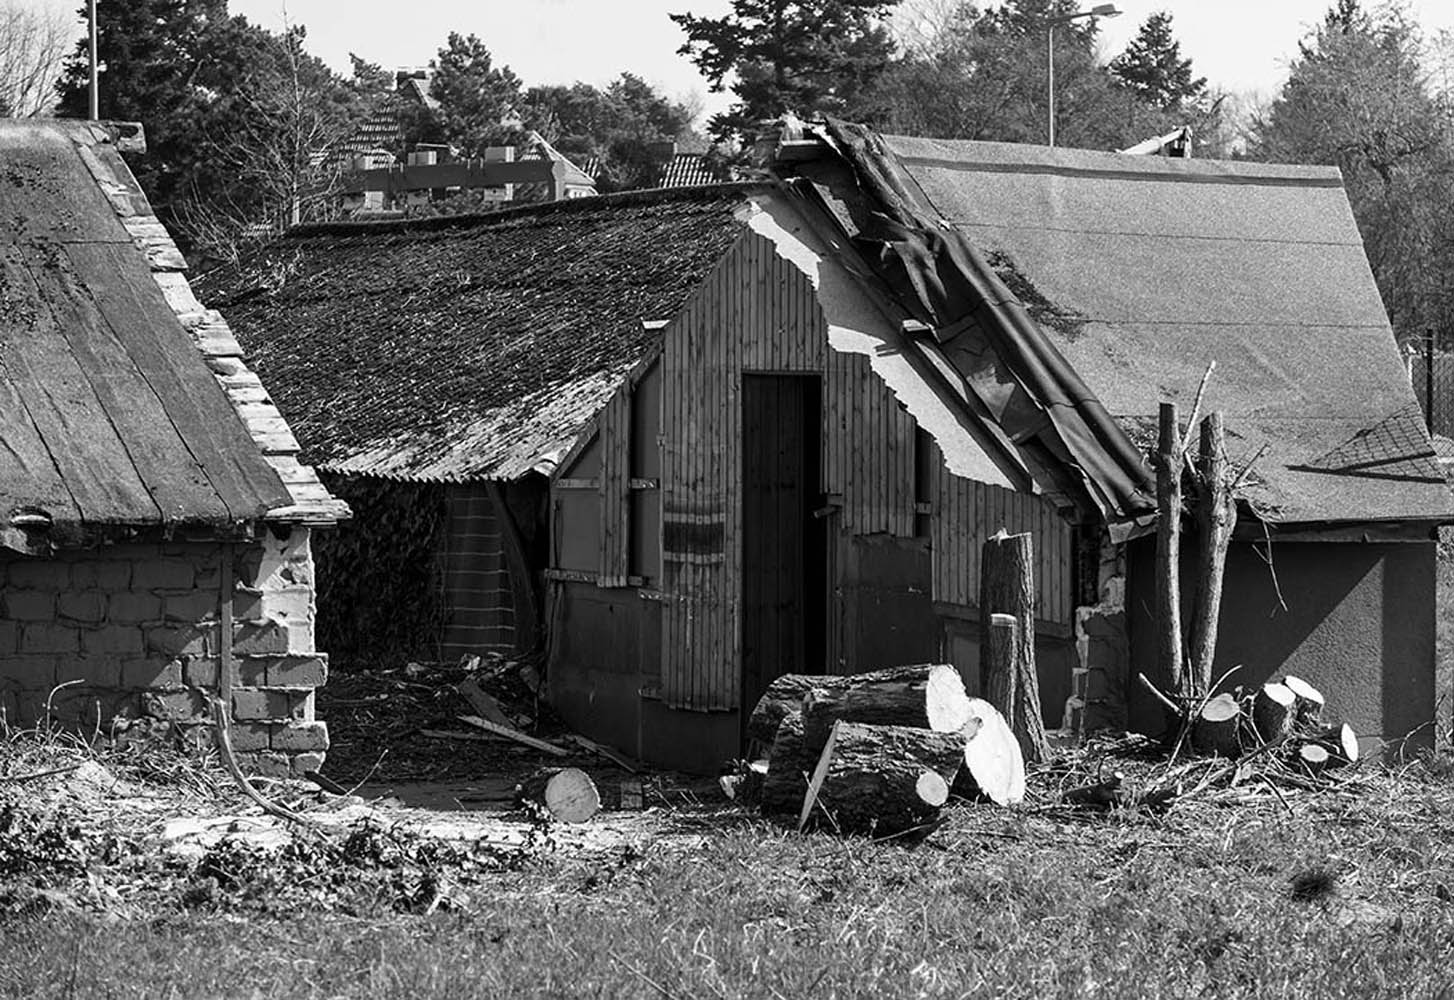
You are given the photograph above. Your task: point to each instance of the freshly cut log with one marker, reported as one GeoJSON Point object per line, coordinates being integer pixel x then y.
{"type": "Point", "coordinates": [885, 780]}
{"type": "Point", "coordinates": [786, 694]}
{"type": "Point", "coordinates": [993, 764]}
{"type": "Point", "coordinates": [1313, 756]}
{"type": "Point", "coordinates": [1272, 711]}
{"type": "Point", "coordinates": [567, 793]}
{"type": "Point", "coordinates": [1343, 742]}
{"type": "Point", "coordinates": [787, 767]}
{"type": "Point", "coordinates": [934, 700]}
{"type": "Point", "coordinates": [1309, 701]}
{"type": "Point", "coordinates": [1007, 668]}
{"type": "Point", "coordinates": [1215, 730]}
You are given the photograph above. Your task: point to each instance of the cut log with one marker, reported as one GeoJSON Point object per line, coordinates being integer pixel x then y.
{"type": "Point", "coordinates": [566, 793]}
{"type": "Point", "coordinates": [885, 780]}
{"type": "Point", "coordinates": [1342, 741]}
{"type": "Point", "coordinates": [1007, 586]}
{"type": "Point", "coordinates": [787, 767]}
{"type": "Point", "coordinates": [785, 695]}
{"type": "Point", "coordinates": [1000, 674]}
{"type": "Point", "coordinates": [993, 764]}
{"type": "Point", "coordinates": [1272, 711]}
{"type": "Point", "coordinates": [1216, 729]}
{"type": "Point", "coordinates": [1309, 704]}
{"type": "Point", "coordinates": [934, 700]}
{"type": "Point", "coordinates": [1314, 757]}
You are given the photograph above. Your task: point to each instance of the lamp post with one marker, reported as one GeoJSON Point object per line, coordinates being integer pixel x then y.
{"type": "Point", "coordinates": [1101, 10]}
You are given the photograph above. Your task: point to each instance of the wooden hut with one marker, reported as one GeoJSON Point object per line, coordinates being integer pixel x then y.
{"type": "Point", "coordinates": [760, 428]}
{"type": "Point", "coordinates": [155, 541]}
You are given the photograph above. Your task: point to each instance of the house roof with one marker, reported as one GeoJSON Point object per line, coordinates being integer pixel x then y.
{"type": "Point", "coordinates": [467, 348]}
{"type": "Point", "coordinates": [109, 413]}
{"type": "Point", "coordinates": [1140, 271]}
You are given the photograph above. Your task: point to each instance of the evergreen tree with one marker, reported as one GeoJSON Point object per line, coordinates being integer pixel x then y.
{"type": "Point", "coordinates": [479, 103]}
{"type": "Point", "coordinates": [804, 56]}
{"type": "Point", "coordinates": [1153, 69]}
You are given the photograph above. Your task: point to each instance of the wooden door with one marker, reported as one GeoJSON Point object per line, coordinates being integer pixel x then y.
{"type": "Point", "coordinates": [783, 547]}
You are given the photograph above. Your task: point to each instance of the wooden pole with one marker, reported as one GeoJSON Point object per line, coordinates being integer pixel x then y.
{"type": "Point", "coordinates": [1007, 586]}
{"type": "Point", "coordinates": [1216, 517]}
{"type": "Point", "coordinates": [1168, 549]}
{"type": "Point", "coordinates": [95, 68]}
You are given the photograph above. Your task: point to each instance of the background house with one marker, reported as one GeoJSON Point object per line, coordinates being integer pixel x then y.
{"type": "Point", "coordinates": [155, 547]}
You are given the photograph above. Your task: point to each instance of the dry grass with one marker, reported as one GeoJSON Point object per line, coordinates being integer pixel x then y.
{"type": "Point", "coordinates": [1347, 891]}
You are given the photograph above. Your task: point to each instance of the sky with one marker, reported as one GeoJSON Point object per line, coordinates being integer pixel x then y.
{"type": "Point", "coordinates": [1240, 45]}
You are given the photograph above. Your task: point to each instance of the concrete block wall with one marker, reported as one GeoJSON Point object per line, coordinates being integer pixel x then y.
{"type": "Point", "coordinates": [133, 631]}
{"type": "Point", "coordinates": [1102, 651]}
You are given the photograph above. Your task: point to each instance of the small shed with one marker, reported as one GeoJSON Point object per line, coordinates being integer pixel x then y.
{"type": "Point", "coordinates": [155, 541]}
{"type": "Point", "coordinates": [752, 429]}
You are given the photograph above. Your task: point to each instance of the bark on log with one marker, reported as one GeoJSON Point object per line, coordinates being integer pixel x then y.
{"type": "Point", "coordinates": [1217, 727]}
{"type": "Point", "coordinates": [1314, 757]}
{"type": "Point", "coordinates": [1216, 517]}
{"type": "Point", "coordinates": [567, 793]}
{"type": "Point", "coordinates": [1001, 644]}
{"type": "Point", "coordinates": [1168, 549]}
{"type": "Point", "coordinates": [885, 780]}
{"type": "Point", "coordinates": [1309, 706]}
{"type": "Point", "coordinates": [1272, 711]}
{"type": "Point", "coordinates": [787, 766]}
{"type": "Point", "coordinates": [934, 700]}
{"type": "Point", "coordinates": [1007, 586]}
{"type": "Point", "coordinates": [785, 695]}
{"type": "Point", "coordinates": [993, 764]}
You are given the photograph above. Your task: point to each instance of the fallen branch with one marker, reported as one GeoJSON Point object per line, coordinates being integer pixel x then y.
{"type": "Point", "coordinates": [33, 775]}
{"type": "Point", "coordinates": [224, 748]}
{"type": "Point", "coordinates": [513, 734]}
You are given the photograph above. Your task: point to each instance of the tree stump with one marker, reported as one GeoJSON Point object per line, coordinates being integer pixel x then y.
{"type": "Point", "coordinates": [885, 780]}
{"type": "Point", "coordinates": [787, 765]}
{"type": "Point", "coordinates": [785, 695]}
{"type": "Point", "coordinates": [993, 764]}
{"type": "Point", "coordinates": [1007, 586]}
{"type": "Point", "coordinates": [566, 793]}
{"type": "Point", "coordinates": [1272, 711]}
{"type": "Point", "coordinates": [1216, 729]}
{"type": "Point", "coordinates": [1308, 707]}
{"type": "Point", "coordinates": [935, 701]}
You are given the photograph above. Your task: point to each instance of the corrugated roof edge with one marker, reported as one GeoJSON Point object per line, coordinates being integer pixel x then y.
{"type": "Point", "coordinates": [312, 503]}
{"type": "Point", "coordinates": [623, 199]}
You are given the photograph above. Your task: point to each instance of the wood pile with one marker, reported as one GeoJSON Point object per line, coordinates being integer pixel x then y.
{"type": "Point", "coordinates": [876, 753]}
{"type": "Point", "coordinates": [1286, 714]}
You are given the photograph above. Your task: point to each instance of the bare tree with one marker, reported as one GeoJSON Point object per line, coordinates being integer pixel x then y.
{"type": "Point", "coordinates": [34, 42]}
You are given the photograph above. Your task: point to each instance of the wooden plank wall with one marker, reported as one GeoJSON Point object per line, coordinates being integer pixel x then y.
{"type": "Point", "coordinates": [614, 489]}
{"type": "Point", "coordinates": [965, 512]}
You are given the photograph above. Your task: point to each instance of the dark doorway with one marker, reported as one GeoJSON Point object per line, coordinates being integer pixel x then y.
{"type": "Point", "coordinates": [783, 544]}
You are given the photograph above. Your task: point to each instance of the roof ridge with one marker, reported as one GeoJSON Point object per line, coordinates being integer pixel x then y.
{"type": "Point", "coordinates": [622, 199]}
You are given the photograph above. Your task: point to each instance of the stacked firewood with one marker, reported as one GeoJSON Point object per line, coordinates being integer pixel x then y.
{"type": "Point", "coordinates": [876, 753]}
{"type": "Point", "coordinates": [1287, 714]}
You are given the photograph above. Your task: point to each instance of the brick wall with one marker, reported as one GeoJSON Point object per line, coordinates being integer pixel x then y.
{"type": "Point", "coordinates": [478, 600]}
{"type": "Point", "coordinates": [137, 626]}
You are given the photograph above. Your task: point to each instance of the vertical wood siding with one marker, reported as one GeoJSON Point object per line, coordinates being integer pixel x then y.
{"type": "Point", "coordinates": [481, 607]}
{"type": "Point", "coordinates": [615, 489]}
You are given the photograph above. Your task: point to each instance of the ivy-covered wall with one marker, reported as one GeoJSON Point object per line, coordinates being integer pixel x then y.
{"type": "Point", "coordinates": [380, 596]}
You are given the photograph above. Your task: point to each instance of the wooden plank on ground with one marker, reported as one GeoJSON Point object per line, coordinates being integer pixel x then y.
{"type": "Point", "coordinates": [511, 733]}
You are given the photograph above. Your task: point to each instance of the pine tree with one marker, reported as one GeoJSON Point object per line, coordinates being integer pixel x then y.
{"type": "Point", "coordinates": [479, 103]}
{"type": "Point", "coordinates": [1152, 67]}
{"type": "Point", "coordinates": [804, 56]}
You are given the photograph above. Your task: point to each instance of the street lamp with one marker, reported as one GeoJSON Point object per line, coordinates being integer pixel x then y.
{"type": "Point", "coordinates": [1101, 10]}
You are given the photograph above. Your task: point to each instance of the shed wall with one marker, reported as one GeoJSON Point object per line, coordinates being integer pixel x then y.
{"type": "Point", "coordinates": [903, 546]}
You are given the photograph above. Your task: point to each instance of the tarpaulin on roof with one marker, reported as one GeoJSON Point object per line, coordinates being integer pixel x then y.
{"type": "Point", "coordinates": [939, 277]}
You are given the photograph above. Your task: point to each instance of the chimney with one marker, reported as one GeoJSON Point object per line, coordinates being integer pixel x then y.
{"type": "Point", "coordinates": [499, 154]}
{"type": "Point", "coordinates": [663, 150]}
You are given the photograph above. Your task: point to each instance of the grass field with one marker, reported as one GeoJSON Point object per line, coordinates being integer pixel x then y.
{"type": "Point", "coordinates": [1263, 890]}
{"type": "Point", "coordinates": [1347, 892]}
